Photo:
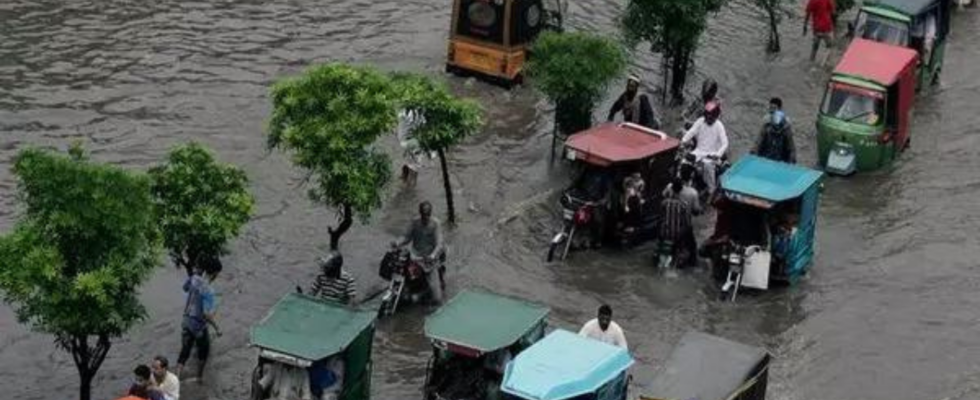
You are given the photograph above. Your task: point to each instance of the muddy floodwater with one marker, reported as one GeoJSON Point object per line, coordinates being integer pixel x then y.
{"type": "Point", "coordinates": [889, 311]}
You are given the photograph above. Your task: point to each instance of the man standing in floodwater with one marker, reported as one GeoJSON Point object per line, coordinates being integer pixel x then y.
{"type": "Point", "coordinates": [821, 12]}
{"type": "Point", "coordinates": [604, 329]}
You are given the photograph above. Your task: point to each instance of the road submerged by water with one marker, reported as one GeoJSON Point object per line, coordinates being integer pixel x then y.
{"type": "Point", "coordinates": [888, 312]}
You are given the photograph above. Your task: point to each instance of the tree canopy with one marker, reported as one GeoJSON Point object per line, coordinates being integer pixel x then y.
{"type": "Point", "coordinates": [200, 204]}
{"type": "Point", "coordinates": [328, 119]}
{"type": "Point", "coordinates": [442, 120]}
{"type": "Point", "coordinates": [574, 70]}
{"type": "Point", "coordinates": [672, 28]}
{"type": "Point", "coordinates": [86, 240]}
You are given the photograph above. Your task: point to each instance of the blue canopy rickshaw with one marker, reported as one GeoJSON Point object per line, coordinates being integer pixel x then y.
{"type": "Point", "coordinates": [565, 365]}
{"type": "Point", "coordinates": [766, 223]}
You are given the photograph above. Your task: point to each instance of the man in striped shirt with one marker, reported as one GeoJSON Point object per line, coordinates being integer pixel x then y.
{"type": "Point", "coordinates": [333, 283]}
{"type": "Point", "coordinates": [677, 225]}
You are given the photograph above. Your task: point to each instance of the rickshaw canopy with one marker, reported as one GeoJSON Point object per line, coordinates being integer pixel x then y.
{"type": "Point", "coordinates": [483, 321]}
{"type": "Point", "coordinates": [707, 367]}
{"type": "Point", "coordinates": [310, 329]}
{"type": "Point", "coordinates": [564, 365]}
{"type": "Point", "coordinates": [767, 179]}
{"type": "Point", "coordinates": [877, 62]}
{"type": "Point", "coordinates": [909, 7]}
{"type": "Point", "coordinates": [612, 143]}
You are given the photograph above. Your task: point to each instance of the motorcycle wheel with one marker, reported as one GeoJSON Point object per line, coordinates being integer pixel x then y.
{"type": "Point", "coordinates": [551, 251]}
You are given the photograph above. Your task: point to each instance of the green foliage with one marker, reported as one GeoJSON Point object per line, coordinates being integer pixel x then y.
{"type": "Point", "coordinates": [672, 28]}
{"type": "Point", "coordinates": [445, 119]}
{"type": "Point", "coordinates": [574, 70]}
{"type": "Point", "coordinates": [86, 241]}
{"type": "Point", "coordinates": [200, 203]}
{"type": "Point", "coordinates": [329, 118]}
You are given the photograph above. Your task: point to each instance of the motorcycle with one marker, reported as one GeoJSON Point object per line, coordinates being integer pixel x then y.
{"type": "Point", "coordinates": [406, 279]}
{"type": "Point", "coordinates": [577, 214]}
{"type": "Point", "coordinates": [686, 160]}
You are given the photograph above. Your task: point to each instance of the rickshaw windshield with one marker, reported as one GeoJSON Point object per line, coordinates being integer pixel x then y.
{"type": "Point", "coordinates": [881, 29]}
{"type": "Point", "coordinates": [481, 19]}
{"type": "Point", "coordinates": [852, 104]}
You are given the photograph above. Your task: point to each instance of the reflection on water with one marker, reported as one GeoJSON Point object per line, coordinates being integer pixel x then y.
{"type": "Point", "coordinates": [886, 313]}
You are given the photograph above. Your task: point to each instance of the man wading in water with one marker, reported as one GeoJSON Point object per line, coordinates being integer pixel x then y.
{"type": "Point", "coordinates": [635, 107]}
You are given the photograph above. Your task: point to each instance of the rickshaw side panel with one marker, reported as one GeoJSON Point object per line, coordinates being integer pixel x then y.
{"type": "Point", "coordinates": [357, 367]}
{"type": "Point", "coordinates": [802, 257]}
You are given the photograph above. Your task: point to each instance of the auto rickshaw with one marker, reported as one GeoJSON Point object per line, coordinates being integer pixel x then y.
{"type": "Point", "coordinates": [565, 365]}
{"type": "Point", "coordinates": [491, 37]}
{"type": "Point", "coordinates": [707, 367]}
{"type": "Point", "coordinates": [607, 157]}
{"type": "Point", "coordinates": [473, 337]}
{"type": "Point", "coordinates": [766, 224]}
{"type": "Point", "coordinates": [908, 23]}
{"type": "Point", "coordinates": [312, 348]}
{"type": "Point", "coordinates": [864, 118]}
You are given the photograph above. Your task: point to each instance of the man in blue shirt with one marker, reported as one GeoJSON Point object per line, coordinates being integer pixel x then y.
{"type": "Point", "coordinates": [198, 316]}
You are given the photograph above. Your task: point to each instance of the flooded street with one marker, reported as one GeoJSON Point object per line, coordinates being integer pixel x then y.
{"type": "Point", "coordinates": [889, 311]}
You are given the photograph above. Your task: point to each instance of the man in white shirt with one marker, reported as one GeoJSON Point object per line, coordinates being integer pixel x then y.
{"type": "Point", "coordinates": [604, 329]}
{"type": "Point", "coordinates": [164, 380]}
{"type": "Point", "coordinates": [712, 142]}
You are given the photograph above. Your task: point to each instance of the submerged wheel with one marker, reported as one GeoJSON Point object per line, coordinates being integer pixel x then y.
{"type": "Point", "coordinates": [551, 251]}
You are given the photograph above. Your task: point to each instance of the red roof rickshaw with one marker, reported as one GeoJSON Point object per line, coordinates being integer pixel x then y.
{"type": "Point", "coordinates": [609, 156]}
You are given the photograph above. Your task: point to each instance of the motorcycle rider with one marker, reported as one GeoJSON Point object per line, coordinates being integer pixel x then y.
{"type": "Point", "coordinates": [425, 235]}
{"type": "Point", "coordinates": [711, 144]}
{"type": "Point", "coordinates": [635, 107]}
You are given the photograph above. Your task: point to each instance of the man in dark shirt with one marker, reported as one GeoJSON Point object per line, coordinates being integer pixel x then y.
{"type": "Point", "coordinates": [425, 235]}
{"type": "Point", "coordinates": [635, 107]}
{"type": "Point", "coordinates": [776, 139]}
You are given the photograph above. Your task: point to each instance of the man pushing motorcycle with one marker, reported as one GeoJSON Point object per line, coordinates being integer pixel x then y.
{"type": "Point", "coordinates": [425, 235]}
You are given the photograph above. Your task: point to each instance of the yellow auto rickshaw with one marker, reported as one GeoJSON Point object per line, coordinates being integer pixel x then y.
{"type": "Point", "coordinates": [490, 38]}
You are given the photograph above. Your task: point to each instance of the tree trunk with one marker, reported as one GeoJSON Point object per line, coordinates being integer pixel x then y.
{"type": "Point", "coordinates": [87, 359]}
{"type": "Point", "coordinates": [450, 208]}
{"type": "Point", "coordinates": [347, 218]}
{"type": "Point", "coordinates": [679, 66]}
{"type": "Point", "coordinates": [774, 46]}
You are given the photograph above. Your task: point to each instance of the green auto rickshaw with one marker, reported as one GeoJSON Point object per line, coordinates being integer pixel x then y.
{"type": "Point", "coordinates": [922, 25]}
{"type": "Point", "coordinates": [863, 122]}
{"type": "Point", "coordinates": [313, 349]}
{"type": "Point", "coordinates": [473, 338]}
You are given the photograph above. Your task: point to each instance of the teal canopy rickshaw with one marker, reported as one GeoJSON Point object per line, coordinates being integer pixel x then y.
{"type": "Point", "coordinates": [565, 366]}
{"type": "Point", "coordinates": [473, 337]}
{"type": "Point", "coordinates": [767, 222]}
{"type": "Point", "coordinates": [707, 367]}
{"type": "Point", "coordinates": [310, 348]}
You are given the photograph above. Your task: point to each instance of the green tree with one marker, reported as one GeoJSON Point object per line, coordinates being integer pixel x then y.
{"type": "Point", "coordinates": [73, 262]}
{"type": "Point", "coordinates": [443, 121]}
{"type": "Point", "coordinates": [774, 11]}
{"type": "Point", "coordinates": [673, 29]}
{"type": "Point", "coordinates": [574, 71]}
{"type": "Point", "coordinates": [329, 119]}
{"type": "Point", "coordinates": [200, 205]}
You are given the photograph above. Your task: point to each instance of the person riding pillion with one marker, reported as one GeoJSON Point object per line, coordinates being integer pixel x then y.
{"type": "Point", "coordinates": [636, 107]}
{"type": "Point", "coordinates": [709, 93]}
{"type": "Point", "coordinates": [425, 235]}
{"type": "Point", "coordinates": [776, 139]}
{"type": "Point", "coordinates": [711, 143]}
